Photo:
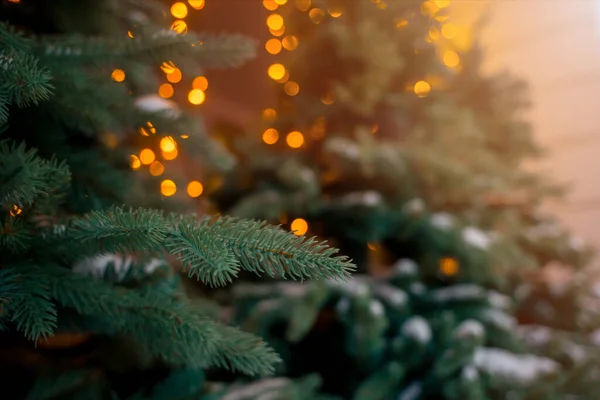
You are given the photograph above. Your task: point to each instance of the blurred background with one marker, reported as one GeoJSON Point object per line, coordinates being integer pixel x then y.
{"type": "Point", "coordinates": [553, 45]}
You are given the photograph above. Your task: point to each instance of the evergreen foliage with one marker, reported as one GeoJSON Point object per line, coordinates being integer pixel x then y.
{"type": "Point", "coordinates": [411, 156]}
{"type": "Point", "coordinates": [91, 303]}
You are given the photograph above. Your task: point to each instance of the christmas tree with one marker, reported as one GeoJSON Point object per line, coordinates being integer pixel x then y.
{"type": "Point", "coordinates": [389, 141]}
{"type": "Point", "coordinates": [91, 302]}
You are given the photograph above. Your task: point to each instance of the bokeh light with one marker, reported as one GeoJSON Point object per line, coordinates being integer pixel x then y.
{"type": "Point", "coordinates": [273, 46]}
{"type": "Point", "coordinates": [166, 91]}
{"type": "Point", "coordinates": [118, 75]}
{"type": "Point", "coordinates": [156, 168]}
{"type": "Point", "coordinates": [276, 71]}
{"type": "Point", "coordinates": [197, 4]}
{"type": "Point", "coordinates": [179, 10]}
{"type": "Point", "coordinates": [168, 144]}
{"type": "Point", "coordinates": [270, 136]}
{"type": "Point", "coordinates": [200, 83]}
{"type": "Point", "coordinates": [194, 189]}
{"type": "Point", "coordinates": [291, 88]}
{"type": "Point", "coordinates": [168, 187]}
{"type": "Point", "coordinates": [295, 139]}
{"type": "Point", "coordinates": [275, 21]}
{"type": "Point", "coordinates": [147, 156]}
{"type": "Point", "coordinates": [196, 97]}
{"type": "Point", "coordinates": [299, 227]}
{"type": "Point", "coordinates": [422, 88]}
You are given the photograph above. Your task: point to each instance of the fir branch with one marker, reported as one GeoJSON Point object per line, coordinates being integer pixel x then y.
{"type": "Point", "coordinates": [24, 176]}
{"type": "Point", "coordinates": [31, 308]}
{"type": "Point", "coordinates": [261, 248]}
{"type": "Point", "coordinates": [153, 46]}
{"type": "Point", "coordinates": [119, 231]}
{"type": "Point", "coordinates": [213, 249]}
{"type": "Point", "coordinates": [166, 328]}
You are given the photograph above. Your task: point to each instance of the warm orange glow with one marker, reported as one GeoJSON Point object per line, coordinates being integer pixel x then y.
{"type": "Point", "coordinates": [185, 136]}
{"type": "Point", "coordinates": [144, 132]}
{"type": "Point", "coordinates": [269, 114]}
{"type": "Point", "coordinates": [179, 10]}
{"type": "Point", "coordinates": [168, 67]}
{"type": "Point", "coordinates": [277, 32]}
{"type": "Point", "coordinates": [382, 5]}
{"type": "Point", "coordinates": [110, 140]}
{"type": "Point", "coordinates": [422, 88]}
{"type": "Point", "coordinates": [291, 88]}
{"type": "Point", "coordinates": [303, 5]}
{"type": "Point", "coordinates": [270, 136]}
{"type": "Point", "coordinates": [434, 33]}
{"type": "Point", "coordinates": [168, 144]}
{"type": "Point", "coordinates": [449, 30]}
{"type": "Point", "coordinates": [442, 3]}
{"type": "Point", "coordinates": [151, 127]}
{"type": "Point", "coordinates": [180, 27]}
{"type": "Point", "coordinates": [196, 97]}
{"type": "Point", "coordinates": [285, 78]}
{"type": "Point", "coordinates": [299, 227]}
{"type": "Point", "coordinates": [276, 71]}
{"type": "Point", "coordinates": [130, 34]}
{"type": "Point", "coordinates": [118, 75]}
{"type": "Point", "coordinates": [327, 98]}
{"type": "Point", "coordinates": [134, 162]}
{"type": "Point", "coordinates": [15, 210]}
{"type": "Point", "coordinates": [451, 59]}
{"type": "Point", "coordinates": [200, 83]}
{"type": "Point", "coordinates": [401, 23]}
{"type": "Point", "coordinates": [170, 155]}
{"type": "Point", "coordinates": [295, 139]}
{"type": "Point", "coordinates": [156, 168]}
{"type": "Point", "coordinates": [275, 21]}
{"type": "Point", "coordinates": [270, 5]}
{"type": "Point", "coordinates": [196, 4]}
{"type": "Point", "coordinates": [175, 76]}
{"type": "Point", "coordinates": [374, 128]}
{"type": "Point", "coordinates": [281, 2]}
{"type": "Point", "coordinates": [147, 156]}
{"type": "Point", "coordinates": [429, 8]}
{"type": "Point", "coordinates": [166, 91]}
{"type": "Point", "coordinates": [194, 189]}
{"type": "Point", "coordinates": [449, 266]}
{"type": "Point", "coordinates": [336, 10]}
{"type": "Point", "coordinates": [290, 42]}
{"type": "Point", "coordinates": [168, 187]}
{"type": "Point", "coordinates": [273, 46]}
{"type": "Point", "coordinates": [317, 15]}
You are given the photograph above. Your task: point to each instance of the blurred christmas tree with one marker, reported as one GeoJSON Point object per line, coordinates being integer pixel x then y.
{"type": "Point", "coordinates": [91, 303]}
{"type": "Point", "coordinates": [388, 140]}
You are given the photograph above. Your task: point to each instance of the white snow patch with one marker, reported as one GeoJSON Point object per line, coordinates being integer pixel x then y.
{"type": "Point", "coordinates": [470, 373]}
{"type": "Point", "coordinates": [405, 266]}
{"type": "Point", "coordinates": [414, 206]}
{"type": "Point", "coordinates": [369, 198]}
{"type": "Point", "coordinates": [476, 237]}
{"type": "Point", "coordinates": [344, 147]}
{"type": "Point", "coordinates": [465, 291]}
{"type": "Point", "coordinates": [417, 288]}
{"type": "Point", "coordinates": [499, 300]}
{"type": "Point", "coordinates": [500, 319]}
{"type": "Point", "coordinates": [418, 329]}
{"type": "Point", "coordinates": [522, 369]}
{"type": "Point", "coordinates": [412, 392]}
{"type": "Point", "coordinates": [343, 306]}
{"type": "Point", "coordinates": [535, 335]}
{"type": "Point", "coordinates": [96, 266]}
{"type": "Point", "coordinates": [469, 328]}
{"type": "Point", "coordinates": [392, 295]}
{"type": "Point", "coordinates": [376, 308]}
{"type": "Point", "coordinates": [577, 243]}
{"type": "Point", "coordinates": [155, 103]}
{"type": "Point", "coordinates": [595, 338]}
{"type": "Point", "coordinates": [358, 288]}
{"type": "Point", "coordinates": [258, 390]}
{"type": "Point", "coordinates": [442, 221]}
